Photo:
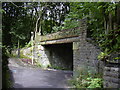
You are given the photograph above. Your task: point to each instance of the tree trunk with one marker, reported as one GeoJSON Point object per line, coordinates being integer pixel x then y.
{"type": "Point", "coordinates": [110, 22]}
{"type": "Point", "coordinates": [118, 15]}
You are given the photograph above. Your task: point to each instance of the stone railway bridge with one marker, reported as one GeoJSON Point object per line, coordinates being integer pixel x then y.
{"type": "Point", "coordinates": [71, 49]}
{"type": "Point", "coordinates": [68, 49]}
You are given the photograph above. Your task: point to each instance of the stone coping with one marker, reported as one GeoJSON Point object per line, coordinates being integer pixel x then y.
{"type": "Point", "coordinates": [67, 33]}
{"type": "Point", "coordinates": [59, 41]}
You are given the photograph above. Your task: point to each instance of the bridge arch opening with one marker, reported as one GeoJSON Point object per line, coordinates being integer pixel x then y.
{"type": "Point", "coordinates": [60, 56]}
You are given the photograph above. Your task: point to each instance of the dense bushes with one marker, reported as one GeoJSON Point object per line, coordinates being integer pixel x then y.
{"type": "Point", "coordinates": [85, 79]}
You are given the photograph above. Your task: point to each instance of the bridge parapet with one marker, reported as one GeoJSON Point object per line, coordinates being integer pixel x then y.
{"type": "Point", "coordinates": [64, 34]}
{"type": "Point", "coordinates": [67, 33]}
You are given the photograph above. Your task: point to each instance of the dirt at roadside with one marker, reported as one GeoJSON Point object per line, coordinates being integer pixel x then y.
{"type": "Point", "coordinates": [18, 62]}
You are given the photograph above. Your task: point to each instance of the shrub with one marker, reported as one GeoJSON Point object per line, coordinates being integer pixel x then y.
{"type": "Point", "coordinates": [88, 80]}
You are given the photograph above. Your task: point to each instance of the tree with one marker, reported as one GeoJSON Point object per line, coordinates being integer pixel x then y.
{"type": "Point", "coordinates": [24, 17]}
{"type": "Point", "coordinates": [102, 19]}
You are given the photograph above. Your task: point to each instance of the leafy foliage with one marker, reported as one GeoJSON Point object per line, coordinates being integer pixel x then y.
{"type": "Point", "coordinates": [20, 18]}
{"type": "Point", "coordinates": [103, 22]}
{"type": "Point", "coordinates": [86, 80]}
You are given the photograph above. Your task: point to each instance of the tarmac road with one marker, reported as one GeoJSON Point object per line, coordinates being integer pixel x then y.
{"type": "Point", "coordinates": [26, 77]}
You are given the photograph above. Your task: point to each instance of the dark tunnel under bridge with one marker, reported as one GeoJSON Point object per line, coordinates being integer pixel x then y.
{"type": "Point", "coordinates": [60, 56]}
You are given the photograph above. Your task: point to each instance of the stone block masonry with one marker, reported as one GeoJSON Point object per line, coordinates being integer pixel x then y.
{"type": "Point", "coordinates": [85, 56]}
{"type": "Point", "coordinates": [111, 77]}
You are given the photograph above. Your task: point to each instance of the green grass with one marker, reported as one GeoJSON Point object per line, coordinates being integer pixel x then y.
{"type": "Point", "coordinates": [58, 67]}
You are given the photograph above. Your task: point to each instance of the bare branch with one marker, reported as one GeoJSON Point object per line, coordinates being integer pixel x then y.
{"type": "Point", "coordinates": [37, 23]}
{"type": "Point", "coordinates": [36, 11]}
{"type": "Point", "coordinates": [16, 5]}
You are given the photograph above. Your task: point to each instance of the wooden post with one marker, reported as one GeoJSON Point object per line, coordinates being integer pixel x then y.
{"type": "Point", "coordinates": [18, 49]}
{"type": "Point", "coordinates": [32, 46]}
